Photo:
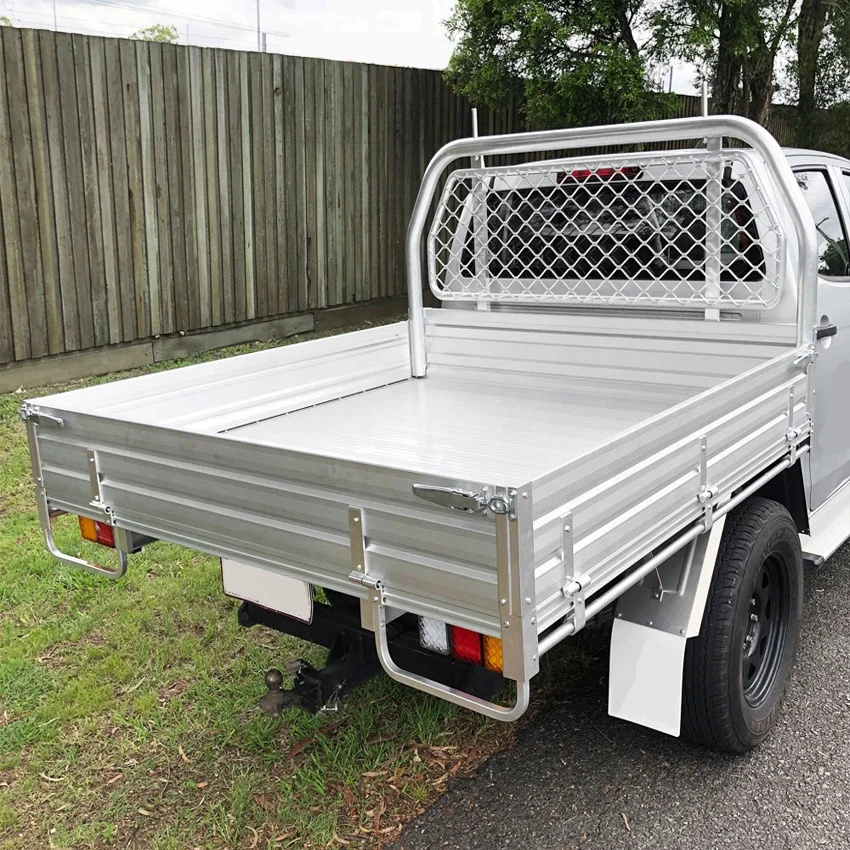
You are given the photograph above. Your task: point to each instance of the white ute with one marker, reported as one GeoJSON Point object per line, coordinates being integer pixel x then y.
{"type": "Point", "coordinates": [632, 405]}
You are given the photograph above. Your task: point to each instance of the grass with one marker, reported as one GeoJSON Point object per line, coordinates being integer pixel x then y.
{"type": "Point", "coordinates": [128, 710]}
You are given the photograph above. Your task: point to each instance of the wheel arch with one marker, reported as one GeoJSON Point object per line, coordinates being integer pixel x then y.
{"type": "Point", "coordinates": [789, 489]}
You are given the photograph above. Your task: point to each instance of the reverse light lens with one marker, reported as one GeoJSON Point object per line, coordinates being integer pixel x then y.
{"type": "Point", "coordinates": [434, 635]}
{"type": "Point", "coordinates": [97, 532]}
{"type": "Point", "coordinates": [493, 653]}
{"type": "Point", "coordinates": [466, 645]}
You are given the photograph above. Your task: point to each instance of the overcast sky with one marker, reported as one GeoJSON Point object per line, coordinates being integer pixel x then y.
{"type": "Point", "coordinates": [389, 32]}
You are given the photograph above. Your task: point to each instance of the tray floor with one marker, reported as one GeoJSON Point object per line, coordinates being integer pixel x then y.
{"type": "Point", "coordinates": [451, 426]}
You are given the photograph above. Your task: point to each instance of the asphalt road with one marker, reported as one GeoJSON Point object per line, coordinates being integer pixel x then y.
{"type": "Point", "coordinates": [578, 778]}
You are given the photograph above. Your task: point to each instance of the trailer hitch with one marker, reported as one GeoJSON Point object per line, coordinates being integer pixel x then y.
{"type": "Point", "coordinates": [320, 690]}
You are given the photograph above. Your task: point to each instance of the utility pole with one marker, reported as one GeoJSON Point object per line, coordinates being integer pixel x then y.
{"type": "Point", "coordinates": [259, 36]}
{"type": "Point", "coordinates": [55, 25]}
{"type": "Point", "coordinates": [265, 43]}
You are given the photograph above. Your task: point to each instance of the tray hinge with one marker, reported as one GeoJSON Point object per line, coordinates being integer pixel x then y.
{"type": "Point", "coordinates": [707, 493]}
{"type": "Point", "coordinates": [575, 587]}
{"type": "Point", "coordinates": [357, 540]}
{"type": "Point", "coordinates": [457, 499]}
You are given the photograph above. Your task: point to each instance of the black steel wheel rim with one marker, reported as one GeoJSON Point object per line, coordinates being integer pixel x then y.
{"type": "Point", "coordinates": [766, 630]}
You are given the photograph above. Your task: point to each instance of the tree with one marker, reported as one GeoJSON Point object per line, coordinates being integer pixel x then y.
{"type": "Point", "coordinates": [823, 63]}
{"type": "Point", "coordinates": [164, 33]}
{"type": "Point", "coordinates": [5, 21]}
{"type": "Point", "coordinates": [737, 41]}
{"type": "Point", "coordinates": [568, 62]}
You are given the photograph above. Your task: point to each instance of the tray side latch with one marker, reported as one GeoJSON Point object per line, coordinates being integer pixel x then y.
{"type": "Point", "coordinates": [467, 501]}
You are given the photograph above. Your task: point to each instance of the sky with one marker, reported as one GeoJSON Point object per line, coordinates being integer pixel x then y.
{"type": "Point", "coordinates": [386, 32]}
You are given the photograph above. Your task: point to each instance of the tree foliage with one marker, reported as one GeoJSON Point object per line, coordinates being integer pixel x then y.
{"type": "Point", "coordinates": [5, 21]}
{"type": "Point", "coordinates": [822, 64]}
{"type": "Point", "coordinates": [736, 41]}
{"type": "Point", "coordinates": [164, 33]}
{"type": "Point", "coordinates": [568, 62]}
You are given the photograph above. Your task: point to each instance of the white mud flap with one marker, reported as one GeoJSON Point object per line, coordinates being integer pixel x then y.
{"type": "Point", "coordinates": [645, 682]}
{"type": "Point", "coordinates": [653, 623]}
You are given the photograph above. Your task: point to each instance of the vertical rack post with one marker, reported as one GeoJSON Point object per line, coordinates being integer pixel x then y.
{"type": "Point", "coordinates": [713, 219]}
{"type": "Point", "coordinates": [481, 236]}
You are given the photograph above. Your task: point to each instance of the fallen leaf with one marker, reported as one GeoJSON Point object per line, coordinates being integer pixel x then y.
{"type": "Point", "coordinates": [626, 821]}
{"type": "Point", "coordinates": [182, 754]}
{"type": "Point", "coordinates": [114, 778]}
{"type": "Point", "coordinates": [52, 778]}
{"type": "Point", "coordinates": [256, 840]}
{"type": "Point", "coordinates": [380, 739]}
{"type": "Point", "coordinates": [201, 784]}
{"type": "Point", "coordinates": [299, 746]}
{"type": "Point", "coordinates": [265, 803]}
{"type": "Point", "coordinates": [371, 774]}
{"type": "Point", "coordinates": [146, 813]}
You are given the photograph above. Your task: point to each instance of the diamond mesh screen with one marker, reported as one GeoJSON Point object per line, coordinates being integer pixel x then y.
{"type": "Point", "coordinates": [679, 228]}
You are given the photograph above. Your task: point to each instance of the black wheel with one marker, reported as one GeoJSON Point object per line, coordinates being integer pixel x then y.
{"type": "Point", "coordinates": [736, 669]}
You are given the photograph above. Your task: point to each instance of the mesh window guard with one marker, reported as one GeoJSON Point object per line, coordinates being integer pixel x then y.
{"type": "Point", "coordinates": [688, 228]}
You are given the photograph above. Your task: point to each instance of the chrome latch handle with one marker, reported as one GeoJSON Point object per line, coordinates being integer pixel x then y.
{"type": "Point", "coordinates": [457, 499]}
{"type": "Point", "coordinates": [451, 497]}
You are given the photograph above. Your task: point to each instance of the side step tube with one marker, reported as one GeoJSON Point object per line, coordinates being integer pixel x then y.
{"type": "Point", "coordinates": [44, 520]}
{"type": "Point", "coordinates": [428, 686]}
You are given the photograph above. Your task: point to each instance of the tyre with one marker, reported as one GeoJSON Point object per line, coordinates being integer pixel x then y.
{"type": "Point", "coordinates": [736, 669]}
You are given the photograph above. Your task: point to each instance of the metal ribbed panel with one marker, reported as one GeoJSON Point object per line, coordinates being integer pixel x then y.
{"type": "Point", "coordinates": [458, 428]}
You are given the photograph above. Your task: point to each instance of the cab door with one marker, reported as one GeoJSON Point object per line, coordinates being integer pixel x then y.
{"type": "Point", "coordinates": [827, 192]}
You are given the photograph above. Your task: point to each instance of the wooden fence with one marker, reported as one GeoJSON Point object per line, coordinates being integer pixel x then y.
{"type": "Point", "coordinates": [150, 189]}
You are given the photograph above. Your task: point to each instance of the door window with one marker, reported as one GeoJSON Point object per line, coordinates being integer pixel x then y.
{"type": "Point", "coordinates": [833, 258]}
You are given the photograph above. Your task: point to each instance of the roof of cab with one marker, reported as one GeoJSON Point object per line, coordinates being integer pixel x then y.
{"type": "Point", "coordinates": [816, 157]}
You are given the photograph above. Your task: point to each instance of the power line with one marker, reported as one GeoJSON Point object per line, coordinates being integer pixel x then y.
{"type": "Point", "coordinates": [149, 11]}
{"type": "Point", "coordinates": [120, 30]}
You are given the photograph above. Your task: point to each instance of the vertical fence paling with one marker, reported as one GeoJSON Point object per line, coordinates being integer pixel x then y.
{"type": "Point", "coordinates": [150, 189]}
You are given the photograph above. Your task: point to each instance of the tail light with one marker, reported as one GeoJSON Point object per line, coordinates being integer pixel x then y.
{"type": "Point", "coordinates": [97, 532]}
{"type": "Point", "coordinates": [466, 645]}
{"type": "Point", "coordinates": [434, 635]}
{"type": "Point", "coordinates": [493, 653]}
{"type": "Point", "coordinates": [463, 644]}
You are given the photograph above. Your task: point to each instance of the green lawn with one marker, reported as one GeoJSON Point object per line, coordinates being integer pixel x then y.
{"type": "Point", "coordinates": [128, 716]}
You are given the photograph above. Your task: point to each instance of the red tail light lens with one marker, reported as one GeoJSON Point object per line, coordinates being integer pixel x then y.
{"type": "Point", "coordinates": [97, 532]}
{"type": "Point", "coordinates": [466, 645]}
